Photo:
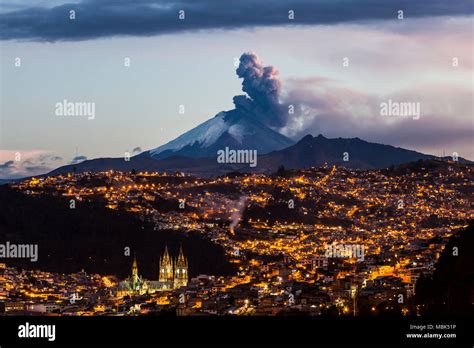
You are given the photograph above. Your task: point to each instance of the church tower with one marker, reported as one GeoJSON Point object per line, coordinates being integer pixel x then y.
{"type": "Point", "coordinates": [180, 270]}
{"type": "Point", "coordinates": [135, 278]}
{"type": "Point", "coordinates": [166, 267]}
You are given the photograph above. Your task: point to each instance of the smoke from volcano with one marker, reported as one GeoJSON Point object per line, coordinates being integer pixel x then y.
{"type": "Point", "coordinates": [263, 87]}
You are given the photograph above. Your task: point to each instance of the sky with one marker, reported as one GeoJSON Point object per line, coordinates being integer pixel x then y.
{"type": "Point", "coordinates": [426, 58]}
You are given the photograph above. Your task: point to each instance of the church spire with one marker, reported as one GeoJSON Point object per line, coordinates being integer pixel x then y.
{"type": "Point", "coordinates": [166, 267]}
{"type": "Point", "coordinates": [181, 270]}
{"type": "Point", "coordinates": [181, 255]}
{"type": "Point", "coordinates": [134, 271]}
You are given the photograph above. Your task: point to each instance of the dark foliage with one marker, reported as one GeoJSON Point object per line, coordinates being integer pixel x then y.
{"type": "Point", "coordinates": [93, 238]}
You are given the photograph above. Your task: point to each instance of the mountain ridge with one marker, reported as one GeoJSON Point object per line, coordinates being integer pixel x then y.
{"type": "Point", "coordinates": [309, 151]}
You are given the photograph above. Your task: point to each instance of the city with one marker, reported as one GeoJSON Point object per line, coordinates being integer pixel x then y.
{"type": "Point", "coordinates": [278, 230]}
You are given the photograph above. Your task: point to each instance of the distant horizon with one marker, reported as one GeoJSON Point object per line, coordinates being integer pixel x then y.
{"type": "Point", "coordinates": [441, 157]}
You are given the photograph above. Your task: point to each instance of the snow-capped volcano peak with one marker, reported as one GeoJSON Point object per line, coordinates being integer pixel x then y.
{"type": "Point", "coordinates": [204, 134]}
{"type": "Point", "coordinates": [233, 129]}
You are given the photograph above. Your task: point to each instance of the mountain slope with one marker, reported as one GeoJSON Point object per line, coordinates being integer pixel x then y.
{"type": "Point", "coordinates": [234, 129]}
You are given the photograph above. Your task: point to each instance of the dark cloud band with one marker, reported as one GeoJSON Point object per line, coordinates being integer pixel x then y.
{"type": "Point", "coordinates": [106, 18]}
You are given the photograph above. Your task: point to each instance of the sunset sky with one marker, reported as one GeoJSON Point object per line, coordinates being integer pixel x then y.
{"type": "Point", "coordinates": [190, 62]}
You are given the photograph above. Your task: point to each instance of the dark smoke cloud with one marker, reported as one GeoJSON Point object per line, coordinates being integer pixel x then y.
{"type": "Point", "coordinates": [107, 18]}
{"type": "Point", "coordinates": [263, 86]}
{"type": "Point", "coordinates": [261, 83]}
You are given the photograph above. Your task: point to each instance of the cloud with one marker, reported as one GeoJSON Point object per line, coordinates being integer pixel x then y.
{"type": "Point", "coordinates": [107, 18]}
{"type": "Point", "coordinates": [6, 165]}
{"type": "Point", "coordinates": [20, 164]}
{"type": "Point", "coordinates": [325, 107]}
{"type": "Point", "coordinates": [78, 159]}
{"type": "Point", "coordinates": [136, 150]}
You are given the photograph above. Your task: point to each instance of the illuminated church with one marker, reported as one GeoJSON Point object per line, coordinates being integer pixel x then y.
{"type": "Point", "coordinates": [173, 274]}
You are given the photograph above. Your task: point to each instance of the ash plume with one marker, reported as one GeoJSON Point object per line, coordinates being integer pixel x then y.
{"type": "Point", "coordinates": [263, 87]}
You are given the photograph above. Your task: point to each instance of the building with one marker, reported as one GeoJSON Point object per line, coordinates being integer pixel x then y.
{"type": "Point", "coordinates": [173, 274]}
{"type": "Point", "coordinates": [43, 307]}
{"type": "Point", "coordinates": [180, 271]}
{"type": "Point", "coordinates": [319, 262]}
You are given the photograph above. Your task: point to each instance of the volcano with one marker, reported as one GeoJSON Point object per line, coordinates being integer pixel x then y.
{"type": "Point", "coordinates": [236, 129]}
